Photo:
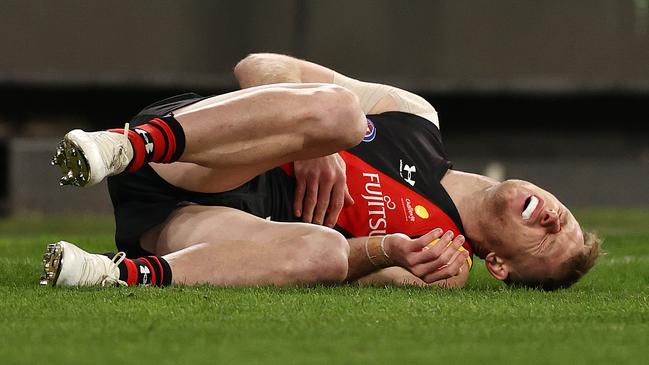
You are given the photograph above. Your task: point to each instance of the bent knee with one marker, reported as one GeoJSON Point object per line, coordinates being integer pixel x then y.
{"type": "Point", "coordinates": [322, 257]}
{"type": "Point", "coordinates": [338, 114]}
{"type": "Point", "coordinates": [334, 261]}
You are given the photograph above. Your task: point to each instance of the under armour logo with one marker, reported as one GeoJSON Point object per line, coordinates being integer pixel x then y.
{"type": "Point", "coordinates": [409, 170]}
{"type": "Point", "coordinates": [148, 142]}
{"type": "Point", "coordinates": [145, 271]}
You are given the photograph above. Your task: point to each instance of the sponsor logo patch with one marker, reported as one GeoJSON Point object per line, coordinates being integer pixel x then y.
{"type": "Point", "coordinates": [421, 211]}
{"type": "Point", "coordinates": [376, 204]}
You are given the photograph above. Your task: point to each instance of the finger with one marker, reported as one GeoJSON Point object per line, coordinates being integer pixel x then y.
{"type": "Point", "coordinates": [335, 205]}
{"type": "Point", "coordinates": [429, 237]}
{"type": "Point", "coordinates": [343, 171]}
{"type": "Point", "coordinates": [447, 256]}
{"type": "Point", "coordinates": [348, 198]}
{"type": "Point", "coordinates": [401, 248]}
{"type": "Point", "coordinates": [458, 256]}
{"type": "Point", "coordinates": [300, 190]}
{"type": "Point", "coordinates": [455, 255]}
{"type": "Point", "coordinates": [434, 248]}
{"type": "Point", "coordinates": [448, 271]}
{"type": "Point", "coordinates": [324, 197]}
{"type": "Point", "coordinates": [456, 247]}
{"type": "Point", "coordinates": [438, 256]}
{"type": "Point", "coordinates": [310, 200]}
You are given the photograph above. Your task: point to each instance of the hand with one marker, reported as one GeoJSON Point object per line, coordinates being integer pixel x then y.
{"type": "Point", "coordinates": [321, 190]}
{"type": "Point", "coordinates": [428, 263]}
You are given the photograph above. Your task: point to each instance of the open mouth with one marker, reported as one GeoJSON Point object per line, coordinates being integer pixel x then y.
{"type": "Point", "coordinates": [530, 205]}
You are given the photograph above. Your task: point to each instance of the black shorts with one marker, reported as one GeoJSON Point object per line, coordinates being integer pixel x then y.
{"type": "Point", "coordinates": [143, 200]}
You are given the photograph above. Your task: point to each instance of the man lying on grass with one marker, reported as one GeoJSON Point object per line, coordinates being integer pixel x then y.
{"type": "Point", "coordinates": [211, 190]}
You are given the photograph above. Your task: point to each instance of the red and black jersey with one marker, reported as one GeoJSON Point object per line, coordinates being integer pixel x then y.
{"type": "Point", "coordinates": [394, 177]}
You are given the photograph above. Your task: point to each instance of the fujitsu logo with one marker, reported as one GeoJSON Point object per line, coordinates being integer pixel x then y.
{"type": "Point", "coordinates": [376, 204]}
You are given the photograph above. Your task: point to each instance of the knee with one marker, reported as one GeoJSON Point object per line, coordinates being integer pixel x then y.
{"type": "Point", "coordinates": [322, 257]}
{"type": "Point", "coordinates": [339, 115]}
{"type": "Point", "coordinates": [347, 117]}
{"type": "Point", "coordinates": [333, 260]}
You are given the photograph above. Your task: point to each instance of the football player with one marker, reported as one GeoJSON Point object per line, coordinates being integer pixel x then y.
{"type": "Point", "coordinates": [220, 190]}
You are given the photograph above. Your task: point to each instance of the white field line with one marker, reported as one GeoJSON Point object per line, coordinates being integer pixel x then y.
{"type": "Point", "coordinates": [626, 260]}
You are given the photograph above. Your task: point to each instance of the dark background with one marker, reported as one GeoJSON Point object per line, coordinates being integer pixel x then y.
{"type": "Point", "coordinates": [553, 91]}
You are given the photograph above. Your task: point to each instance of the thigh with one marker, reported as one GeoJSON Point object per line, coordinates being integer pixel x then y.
{"type": "Point", "coordinates": [234, 137]}
{"type": "Point", "coordinates": [195, 224]}
{"type": "Point", "coordinates": [226, 247]}
{"type": "Point", "coordinates": [193, 177]}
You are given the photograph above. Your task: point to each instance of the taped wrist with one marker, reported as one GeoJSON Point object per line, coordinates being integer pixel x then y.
{"type": "Point", "coordinates": [375, 250]}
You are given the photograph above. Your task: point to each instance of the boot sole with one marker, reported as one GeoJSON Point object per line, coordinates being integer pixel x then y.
{"type": "Point", "coordinates": [51, 264]}
{"type": "Point", "coordinates": [70, 158]}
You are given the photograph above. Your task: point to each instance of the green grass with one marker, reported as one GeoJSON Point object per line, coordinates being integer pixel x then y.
{"type": "Point", "coordinates": [603, 319]}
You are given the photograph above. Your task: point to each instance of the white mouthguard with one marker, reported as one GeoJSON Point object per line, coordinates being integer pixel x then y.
{"type": "Point", "coordinates": [527, 213]}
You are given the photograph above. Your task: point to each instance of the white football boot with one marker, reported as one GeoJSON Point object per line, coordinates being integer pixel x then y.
{"type": "Point", "coordinates": [86, 158]}
{"type": "Point", "coordinates": [65, 264]}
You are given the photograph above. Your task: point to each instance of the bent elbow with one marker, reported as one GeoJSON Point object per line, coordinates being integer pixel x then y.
{"type": "Point", "coordinates": [264, 68]}
{"type": "Point", "coordinates": [244, 67]}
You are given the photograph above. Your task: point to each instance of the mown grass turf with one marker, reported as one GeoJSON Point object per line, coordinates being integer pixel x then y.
{"type": "Point", "coordinates": [603, 319]}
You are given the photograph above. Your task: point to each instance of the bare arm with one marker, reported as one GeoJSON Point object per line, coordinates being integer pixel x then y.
{"type": "Point", "coordinates": [264, 68]}
{"type": "Point", "coordinates": [269, 68]}
{"type": "Point", "coordinates": [396, 275]}
{"type": "Point", "coordinates": [426, 265]}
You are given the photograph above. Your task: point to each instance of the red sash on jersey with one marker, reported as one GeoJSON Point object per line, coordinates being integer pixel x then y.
{"type": "Point", "coordinates": [384, 205]}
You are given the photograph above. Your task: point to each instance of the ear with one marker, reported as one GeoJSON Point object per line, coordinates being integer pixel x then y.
{"type": "Point", "coordinates": [497, 267]}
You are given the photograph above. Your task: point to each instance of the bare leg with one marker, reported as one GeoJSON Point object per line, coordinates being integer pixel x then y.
{"type": "Point", "coordinates": [223, 246]}
{"type": "Point", "coordinates": [236, 136]}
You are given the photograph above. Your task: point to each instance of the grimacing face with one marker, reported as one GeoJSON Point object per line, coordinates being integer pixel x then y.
{"type": "Point", "coordinates": [535, 232]}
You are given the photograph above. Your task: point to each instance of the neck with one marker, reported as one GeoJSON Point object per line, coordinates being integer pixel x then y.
{"type": "Point", "coordinates": [469, 194]}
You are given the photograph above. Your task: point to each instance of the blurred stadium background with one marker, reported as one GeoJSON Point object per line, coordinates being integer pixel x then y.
{"type": "Point", "coordinates": [551, 91]}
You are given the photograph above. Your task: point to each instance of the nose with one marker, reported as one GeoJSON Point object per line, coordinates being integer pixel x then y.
{"type": "Point", "coordinates": [550, 220]}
